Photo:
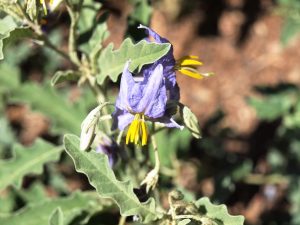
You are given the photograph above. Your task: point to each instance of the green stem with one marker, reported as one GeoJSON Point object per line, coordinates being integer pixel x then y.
{"type": "Point", "coordinates": [156, 155]}
{"type": "Point", "coordinates": [74, 16]}
{"type": "Point", "coordinates": [122, 220]}
{"type": "Point", "coordinates": [41, 36]}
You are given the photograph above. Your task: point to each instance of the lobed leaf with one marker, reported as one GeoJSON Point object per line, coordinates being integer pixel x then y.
{"type": "Point", "coordinates": [79, 204]}
{"type": "Point", "coordinates": [96, 167]}
{"type": "Point", "coordinates": [9, 32]}
{"type": "Point", "coordinates": [27, 161]}
{"type": "Point", "coordinates": [64, 115]}
{"type": "Point", "coordinates": [217, 213]}
{"type": "Point", "coordinates": [111, 62]}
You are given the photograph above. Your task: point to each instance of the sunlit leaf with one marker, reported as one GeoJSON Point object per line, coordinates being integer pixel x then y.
{"type": "Point", "coordinates": [79, 204]}
{"type": "Point", "coordinates": [217, 214]}
{"type": "Point", "coordinates": [111, 62]}
{"type": "Point", "coordinates": [96, 167]}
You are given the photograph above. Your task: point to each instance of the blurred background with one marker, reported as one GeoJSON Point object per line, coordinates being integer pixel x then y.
{"type": "Point", "coordinates": [249, 111]}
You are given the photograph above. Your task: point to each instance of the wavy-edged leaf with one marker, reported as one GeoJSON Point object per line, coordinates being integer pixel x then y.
{"type": "Point", "coordinates": [79, 204]}
{"type": "Point", "coordinates": [9, 32]}
{"type": "Point", "coordinates": [111, 62]}
{"type": "Point", "coordinates": [64, 115]}
{"type": "Point", "coordinates": [217, 213]}
{"type": "Point", "coordinates": [27, 160]}
{"type": "Point", "coordinates": [96, 167]}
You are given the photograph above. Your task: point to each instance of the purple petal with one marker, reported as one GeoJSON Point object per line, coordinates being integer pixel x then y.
{"type": "Point", "coordinates": [152, 90]}
{"type": "Point", "coordinates": [152, 33]}
{"type": "Point", "coordinates": [169, 122]}
{"type": "Point", "coordinates": [127, 83]}
{"type": "Point", "coordinates": [121, 119]}
{"type": "Point", "coordinates": [158, 107]}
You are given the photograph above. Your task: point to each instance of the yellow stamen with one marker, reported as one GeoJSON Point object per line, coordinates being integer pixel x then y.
{"type": "Point", "coordinates": [137, 130]}
{"type": "Point", "coordinates": [187, 66]}
{"type": "Point", "coordinates": [189, 61]}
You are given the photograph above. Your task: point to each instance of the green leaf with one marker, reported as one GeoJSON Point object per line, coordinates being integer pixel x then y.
{"type": "Point", "coordinates": [8, 202]}
{"type": "Point", "coordinates": [290, 30]}
{"type": "Point", "coordinates": [100, 33]}
{"type": "Point", "coordinates": [64, 115]}
{"type": "Point", "coordinates": [140, 54]}
{"type": "Point", "coordinates": [79, 204]}
{"type": "Point", "coordinates": [61, 76]}
{"type": "Point", "coordinates": [142, 11]}
{"type": "Point", "coordinates": [57, 217]}
{"type": "Point", "coordinates": [190, 121]}
{"type": "Point", "coordinates": [34, 194]}
{"type": "Point", "coordinates": [27, 161]}
{"type": "Point", "coordinates": [96, 167]}
{"type": "Point", "coordinates": [217, 213]}
{"type": "Point", "coordinates": [88, 15]}
{"type": "Point", "coordinates": [273, 107]}
{"type": "Point", "coordinates": [9, 77]}
{"type": "Point", "coordinates": [9, 32]}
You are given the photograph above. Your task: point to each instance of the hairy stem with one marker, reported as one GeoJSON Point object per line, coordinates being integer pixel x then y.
{"type": "Point", "coordinates": [74, 16]}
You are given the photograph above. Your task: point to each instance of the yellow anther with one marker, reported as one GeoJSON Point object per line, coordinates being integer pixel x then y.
{"type": "Point", "coordinates": [188, 61]}
{"type": "Point", "coordinates": [136, 130]}
{"type": "Point", "coordinates": [187, 65]}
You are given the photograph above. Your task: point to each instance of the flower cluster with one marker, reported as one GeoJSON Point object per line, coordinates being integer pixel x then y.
{"type": "Point", "coordinates": [146, 99]}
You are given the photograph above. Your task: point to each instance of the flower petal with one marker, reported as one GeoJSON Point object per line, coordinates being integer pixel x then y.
{"type": "Point", "coordinates": [126, 85]}
{"type": "Point", "coordinates": [121, 119]}
{"type": "Point", "coordinates": [169, 122]}
{"type": "Point", "coordinates": [152, 90]}
{"type": "Point", "coordinates": [153, 34]}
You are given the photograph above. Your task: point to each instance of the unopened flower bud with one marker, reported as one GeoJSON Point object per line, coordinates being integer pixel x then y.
{"type": "Point", "coordinates": [88, 128]}
{"type": "Point", "coordinates": [108, 147]}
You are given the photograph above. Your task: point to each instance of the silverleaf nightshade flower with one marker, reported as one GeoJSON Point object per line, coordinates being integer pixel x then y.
{"type": "Point", "coordinates": [186, 65]}
{"type": "Point", "coordinates": [141, 101]}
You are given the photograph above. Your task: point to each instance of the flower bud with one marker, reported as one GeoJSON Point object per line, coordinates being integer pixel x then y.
{"type": "Point", "coordinates": [88, 128]}
{"type": "Point", "coordinates": [108, 147]}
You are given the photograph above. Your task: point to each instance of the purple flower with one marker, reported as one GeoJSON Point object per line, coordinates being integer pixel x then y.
{"type": "Point", "coordinates": [139, 101]}
{"type": "Point", "coordinates": [168, 61]}
{"type": "Point", "coordinates": [110, 148]}
{"type": "Point", "coordinates": [186, 65]}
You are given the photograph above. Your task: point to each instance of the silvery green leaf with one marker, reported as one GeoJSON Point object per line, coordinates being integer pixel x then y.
{"type": "Point", "coordinates": [79, 204]}
{"type": "Point", "coordinates": [57, 217]}
{"type": "Point", "coordinates": [190, 121]}
{"type": "Point", "coordinates": [27, 160]}
{"type": "Point", "coordinates": [10, 32]}
{"type": "Point", "coordinates": [140, 54]}
{"type": "Point", "coordinates": [61, 76]}
{"type": "Point", "coordinates": [96, 167]}
{"type": "Point", "coordinates": [217, 214]}
{"type": "Point", "coordinates": [88, 15]}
